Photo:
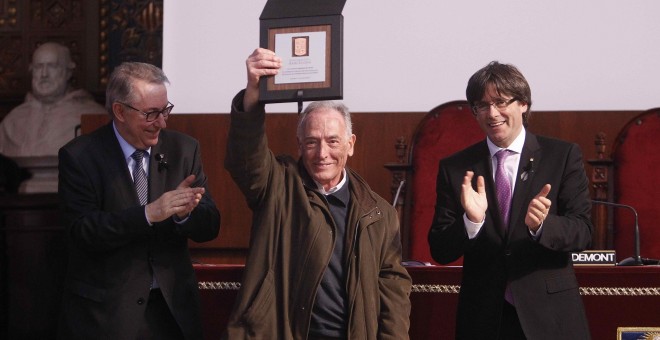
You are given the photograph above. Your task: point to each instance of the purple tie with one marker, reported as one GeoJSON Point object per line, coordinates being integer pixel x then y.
{"type": "Point", "coordinates": [503, 191]}
{"type": "Point", "coordinates": [503, 186]}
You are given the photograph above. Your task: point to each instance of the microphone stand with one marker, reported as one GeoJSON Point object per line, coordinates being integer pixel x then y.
{"type": "Point", "coordinates": [636, 259]}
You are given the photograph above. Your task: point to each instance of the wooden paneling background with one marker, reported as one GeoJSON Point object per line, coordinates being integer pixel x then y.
{"type": "Point", "coordinates": [377, 133]}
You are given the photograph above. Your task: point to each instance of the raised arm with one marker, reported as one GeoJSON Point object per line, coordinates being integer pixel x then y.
{"type": "Point", "coordinates": [261, 62]}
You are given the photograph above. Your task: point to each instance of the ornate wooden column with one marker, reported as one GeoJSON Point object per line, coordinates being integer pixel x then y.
{"type": "Point", "coordinates": [601, 185]}
{"type": "Point", "coordinates": [130, 31]}
{"type": "Point", "coordinates": [400, 178]}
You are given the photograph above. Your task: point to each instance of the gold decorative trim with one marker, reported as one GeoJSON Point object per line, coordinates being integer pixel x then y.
{"type": "Point", "coordinates": [454, 289]}
{"type": "Point", "coordinates": [620, 291]}
{"type": "Point", "coordinates": [445, 289]}
{"type": "Point", "coordinates": [590, 291]}
{"type": "Point", "coordinates": [217, 285]}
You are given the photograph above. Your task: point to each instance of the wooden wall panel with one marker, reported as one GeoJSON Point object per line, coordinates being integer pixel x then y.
{"type": "Point", "coordinates": [581, 127]}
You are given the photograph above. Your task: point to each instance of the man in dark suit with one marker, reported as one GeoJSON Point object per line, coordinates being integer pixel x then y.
{"type": "Point", "coordinates": [514, 221]}
{"type": "Point", "coordinates": [129, 218]}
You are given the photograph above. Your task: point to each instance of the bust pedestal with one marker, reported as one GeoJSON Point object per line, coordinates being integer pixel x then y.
{"type": "Point", "coordinates": [44, 174]}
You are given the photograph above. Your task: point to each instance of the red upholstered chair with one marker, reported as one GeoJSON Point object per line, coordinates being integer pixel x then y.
{"type": "Point", "coordinates": [636, 181]}
{"type": "Point", "coordinates": [446, 129]}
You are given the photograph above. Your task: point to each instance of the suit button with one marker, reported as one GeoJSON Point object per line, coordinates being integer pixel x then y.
{"type": "Point", "coordinates": [140, 301]}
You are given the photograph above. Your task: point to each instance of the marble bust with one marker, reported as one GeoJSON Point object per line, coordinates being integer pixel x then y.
{"type": "Point", "coordinates": [51, 112]}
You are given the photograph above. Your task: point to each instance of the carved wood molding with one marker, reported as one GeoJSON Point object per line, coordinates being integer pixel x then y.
{"type": "Point", "coordinates": [455, 289]}
{"type": "Point", "coordinates": [56, 15]}
{"type": "Point", "coordinates": [130, 31]}
{"type": "Point", "coordinates": [11, 62]}
{"type": "Point", "coordinates": [8, 15]}
{"type": "Point", "coordinates": [104, 46]}
{"type": "Point", "coordinates": [10, 47]}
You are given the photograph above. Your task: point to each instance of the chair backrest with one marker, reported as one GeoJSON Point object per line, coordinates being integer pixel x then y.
{"type": "Point", "coordinates": [636, 156]}
{"type": "Point", "coordinates": [445, 130]}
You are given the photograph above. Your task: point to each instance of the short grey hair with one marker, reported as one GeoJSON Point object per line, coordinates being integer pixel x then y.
{"type": "Point", "coordinates": [122, 79]}
{"type": "Point", "coordinates": [327, 104]}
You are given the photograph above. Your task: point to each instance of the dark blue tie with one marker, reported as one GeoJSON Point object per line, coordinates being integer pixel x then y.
{"type": "Point", "coordinates": [142, 188]}
{"type": "Point", "coordinates": [140, 177]}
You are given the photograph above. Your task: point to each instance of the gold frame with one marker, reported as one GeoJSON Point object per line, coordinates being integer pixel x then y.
{"type": "Point", "coordinates": [654, 331]}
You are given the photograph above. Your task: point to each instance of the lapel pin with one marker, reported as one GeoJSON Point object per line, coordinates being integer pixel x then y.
{"type": "Point", "coordinates": [529, 169]}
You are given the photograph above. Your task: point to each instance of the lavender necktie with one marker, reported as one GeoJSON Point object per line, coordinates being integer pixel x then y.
{"type": "Point", "coordinates": [503, 187]}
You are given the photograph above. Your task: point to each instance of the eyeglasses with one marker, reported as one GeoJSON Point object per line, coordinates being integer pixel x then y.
{"type": "Point", "coordinates": [153, 115]}
{"type": "Point", "coordinates": [484, 107]}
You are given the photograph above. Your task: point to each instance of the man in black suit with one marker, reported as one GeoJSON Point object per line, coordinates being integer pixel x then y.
{"type": "Point", "coordinates": [129, 274]}
{"type": "Point", "coordinates": [517, 229]}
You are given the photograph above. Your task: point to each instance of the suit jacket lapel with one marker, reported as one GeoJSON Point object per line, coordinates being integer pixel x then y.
{"type": "Point", "coordinates": [117, 168]}
{"type": "Point", "coordinates": [484, 167]}
{"type": "Point", "coordinates": [157, 172]}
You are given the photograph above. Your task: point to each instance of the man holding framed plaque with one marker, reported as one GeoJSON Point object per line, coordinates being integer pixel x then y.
{"type": "Point", "coordinates": [325, 251]}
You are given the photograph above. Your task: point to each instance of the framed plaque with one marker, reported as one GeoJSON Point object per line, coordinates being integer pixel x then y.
{"type": "Point", "coordinates": [311, 52]}
{"type": "Point", "coordinates": [637, 333]}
